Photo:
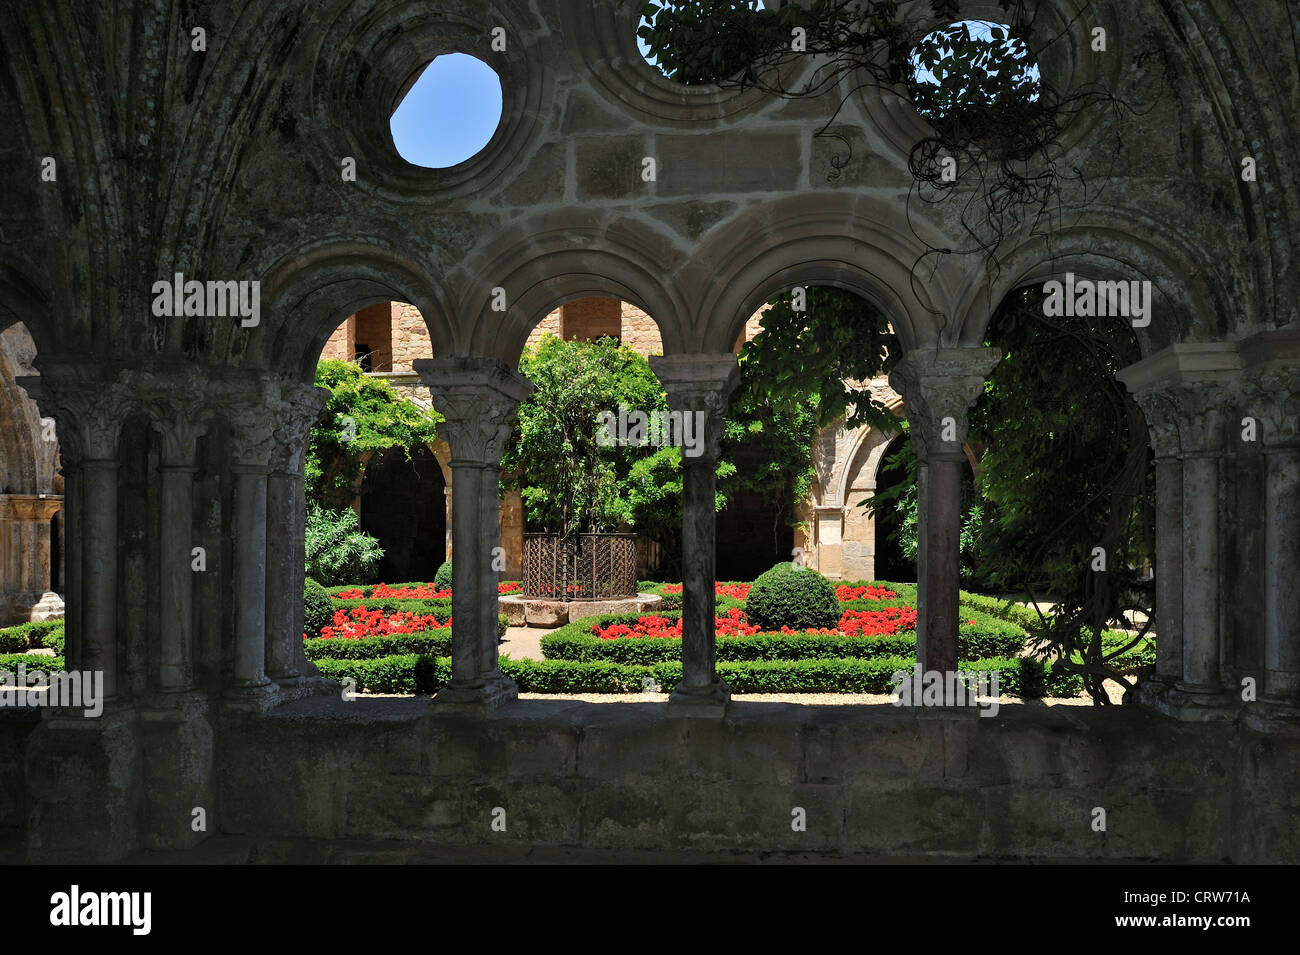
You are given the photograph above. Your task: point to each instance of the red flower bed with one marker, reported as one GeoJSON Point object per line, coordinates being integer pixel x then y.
{"type": "Point", "coordinates": [357, 623]}
{"type": "Point", "coordinates": [739, 591]}
{"type": "Point", "coordinates": [733, 624]}
{"type": "Point", "coordinates": [854, 623]}
{"type": "Point", "coordinates": [844, 593]}
{"type": "Point", "coordinates": [417, 591]}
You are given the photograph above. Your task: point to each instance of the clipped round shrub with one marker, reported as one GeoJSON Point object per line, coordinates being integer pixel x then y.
{"type": "Point", "coordinates": [442, 579]}
{"type": "Point", "coordinates": [318, 608]}
{"type": "Point", "coordinates": [800, 599]}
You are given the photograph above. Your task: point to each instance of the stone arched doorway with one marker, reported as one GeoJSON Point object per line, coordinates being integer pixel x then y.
{"type": "Point", "coordinates": [403, 505]}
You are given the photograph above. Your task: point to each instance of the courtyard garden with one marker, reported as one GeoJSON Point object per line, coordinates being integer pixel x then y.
{"type": "Point", "coordinates": [791, 631]}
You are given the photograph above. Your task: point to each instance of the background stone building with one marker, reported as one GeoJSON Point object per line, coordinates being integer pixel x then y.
{"type": "Point", "coordinates": [31, 493]}
{"type": "Point", "coordinates": [397, 497]}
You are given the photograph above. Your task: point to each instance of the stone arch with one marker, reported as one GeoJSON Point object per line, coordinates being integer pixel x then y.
{"type": "Point", "coordinates": [310, 294]}
{"type": "Point", "coordinates": [1182, 278]}
{"type": "Point", "coordinates": [561, 264]}
{"type": "Point", "coordinates": [867, 250]}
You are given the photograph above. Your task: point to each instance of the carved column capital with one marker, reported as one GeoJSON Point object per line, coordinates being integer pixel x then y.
{"type": "Point", "coordinates": [251, 410]}
{"type": "Point", "coordinates": [88, 409]}
{"type": "Point", "coordinates": [479, 398]}
{"type": "Point", "coordinates": [299, 409]}
{"type": "Point", "coordinates": [1273, 398]}
{"type": "Point", "coordinates": [177, 403]}
{"type": "Point", "coordinates": [938, 389]}
{"type": "Point", "coordinates": [1190, 417]}
{"type": "Point", "coordinates": [702, 385]}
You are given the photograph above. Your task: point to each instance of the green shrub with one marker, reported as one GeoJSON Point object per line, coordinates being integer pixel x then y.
{"type": "Point", "coordinates": [31, 636]}
{"type": "Point", "coordinates": [442, 579]}
{"type": "Point", "coordinates": [9, 663]}
{"type": "Point", "coordinates": [318, 608]}
{"type": "Point", "coordinates": [796, 598]}
{"type": "Point", "coordinates": [408, 673]}
{"type": "Point", "coordinates": [336, 547]}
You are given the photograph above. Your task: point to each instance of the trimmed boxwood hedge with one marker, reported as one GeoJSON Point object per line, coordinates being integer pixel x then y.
{"type": "Point", "coordinates": [421, 673]}
{"type": "Point", "coordinates": [434, 643]}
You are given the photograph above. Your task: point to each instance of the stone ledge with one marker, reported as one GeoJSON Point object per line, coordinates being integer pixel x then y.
{"type": "Point", "coordinates": [539, 612]}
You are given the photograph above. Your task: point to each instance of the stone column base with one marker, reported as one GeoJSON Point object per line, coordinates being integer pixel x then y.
{"type": "Point", "coordinates": [700, 702]}
{"type": "Point", "coordinates": [253, 699]}
{"type": "Point", "coordinates": [1273, 717]}
{"type": "Point", "coordinates": [1189, 703]}
{"type": "Point", "coordinates": [494, 693]}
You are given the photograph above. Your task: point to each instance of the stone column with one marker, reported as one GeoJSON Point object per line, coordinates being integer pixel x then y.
{"type": "Point", "coordinates": [1273, 399]}
{"type": "Point", "coordinates": [25, 532]}
{"type": "Point", "coordinates": [479, 397]}
{"type": "Point", "coordinates": [938, 388]}
{"type": "Point", "coordinates": [180, 432]}
{"type": "Point", "coordinates": [1162, 424]}
{"type": "Point", "coordinates": [699, 386]}
{"type": "Point", "coordinates": [1188, 396]}
{"type": "Point", "coordinates": [300, 408]}
{"type": "Point", "coordinates": [89, 414]}
{"type": "Point", "coordinates": [252, 440]}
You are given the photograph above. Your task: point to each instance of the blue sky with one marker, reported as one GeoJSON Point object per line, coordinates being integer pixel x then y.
{"type": "Point", "coordinates": [450, 113]}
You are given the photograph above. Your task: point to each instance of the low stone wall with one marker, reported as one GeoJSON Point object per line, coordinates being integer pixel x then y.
{"type": "Point", "coordinates": [872, 780]}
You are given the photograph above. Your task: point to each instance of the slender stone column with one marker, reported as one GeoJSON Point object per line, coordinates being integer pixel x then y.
{"type": "Point", "coordinates": [89, 413]}
{"type": "Point", "coordinates": [938, 388]}
{"type": "Point", "coordinates": [699, 386]}
{"type": "Point", "coordinates": [252, 419]}
{"type": "Point", "coordinates": [299, 410]}
{"type": "Point", "coordinates": [1273, 399]}
{"type": "Point", "coordinates": [479, 397]}
{"type": "Point", "coordinates": [180, 432]}
{"type": "Point", "coordinates": [1162, 415]}
{"type": "Point", "coordinates": [73, 599]}
{"type": "Point", "coordinates": [1187, 396]}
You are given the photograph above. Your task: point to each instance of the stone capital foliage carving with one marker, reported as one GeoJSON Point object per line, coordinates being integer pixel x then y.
{"type": "Point", "coordinates": [300, 407]}
{"type": "Point", "coordinates": [938, 389]}
{"type": "Point", "coordinates": [700, 384]}
{"type": "Point", "coordinates": [479, 398]}
{"type": "Point", "coordinates": [1189, 418]}
{"type": "Point", "coordinates": [1273, 398]}
{"type": "Point", "coordinates": [252, 411]}
{"type": "Point", "coordinates": [177, 404]}
{"type": "Point", "coordinates": [88, 411]}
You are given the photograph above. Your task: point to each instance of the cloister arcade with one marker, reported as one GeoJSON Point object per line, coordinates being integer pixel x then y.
{"type": "Point", "coordinates": [185, 432]}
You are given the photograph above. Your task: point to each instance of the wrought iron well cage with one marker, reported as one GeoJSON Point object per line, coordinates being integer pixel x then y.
{"type": "Point", "coordinates": [580, 567]}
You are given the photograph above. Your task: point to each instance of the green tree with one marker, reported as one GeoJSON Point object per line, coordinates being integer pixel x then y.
{"type": "Point", "coordinates": [568, 481]}
{"type": "Point", "coordinates": [363, 416]}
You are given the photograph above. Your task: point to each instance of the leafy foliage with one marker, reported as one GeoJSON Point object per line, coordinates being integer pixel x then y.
{"type": "Point", "coordinates": [338, 551]}
{"type": "Point", "coordinates": [1067, 469]}
{"type": "Point", "coordinates": [363, 416]}
{"type": "Point", "coordinates": [442, 578]}
{"type": "Point", "coordinates": [568, 481]}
